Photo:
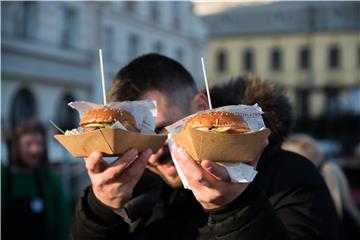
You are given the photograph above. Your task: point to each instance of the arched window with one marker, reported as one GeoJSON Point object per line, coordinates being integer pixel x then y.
{"type": "Point", "coordinates": [66, 117]}
{"type": "Point", "coordinates": [23, 106]}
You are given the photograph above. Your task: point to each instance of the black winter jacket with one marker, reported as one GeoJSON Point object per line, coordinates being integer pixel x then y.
{"type": "Point", "coordinates": [287, 200]}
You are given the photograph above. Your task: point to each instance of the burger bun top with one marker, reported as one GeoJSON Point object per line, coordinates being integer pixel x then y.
{"type": "Point", "coordinates": [218, 120]}
{"type": "Point", "coordinates": [107, 115]}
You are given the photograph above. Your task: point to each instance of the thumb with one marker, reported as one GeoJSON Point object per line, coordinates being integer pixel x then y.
{"type": "Point", "coordinates": [216, 170]}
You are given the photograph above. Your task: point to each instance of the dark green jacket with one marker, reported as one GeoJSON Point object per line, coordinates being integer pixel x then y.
{"type": "Point", "coordinates": [57, 211]}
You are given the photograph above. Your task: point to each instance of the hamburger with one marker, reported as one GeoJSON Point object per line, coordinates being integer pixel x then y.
{"type": "Point", "coordinates": [218, 122]}
{"type": "Point", "coordinates": [105, 117]}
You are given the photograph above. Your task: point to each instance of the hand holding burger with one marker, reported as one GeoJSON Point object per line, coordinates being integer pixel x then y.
{"type": "Point", "coordinates": [113, 184]}
{"type": "Point", "coordinates": [210, 181]}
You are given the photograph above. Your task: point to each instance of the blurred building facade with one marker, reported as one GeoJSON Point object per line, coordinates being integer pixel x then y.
{"type": "Point", "coordinates": [50, 53]}
{"type": "Point", "coordinates": [312, 48]}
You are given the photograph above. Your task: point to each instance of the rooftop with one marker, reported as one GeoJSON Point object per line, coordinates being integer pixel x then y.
{"type": "Point", "coordinates": [285, 17]}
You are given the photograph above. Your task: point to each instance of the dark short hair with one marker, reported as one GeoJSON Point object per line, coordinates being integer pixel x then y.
{"type": "Point", "coordinates": [22, 128]}
{"type": "Point", "coordinates": [150, 72]}
{"type": "Point", "coordinates": [270, 97]}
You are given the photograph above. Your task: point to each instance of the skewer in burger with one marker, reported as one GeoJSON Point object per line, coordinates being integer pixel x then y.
{"type": "Point", "coordinates": [218, 122]}
{"type": "Point", "coordinates": [105, 117]}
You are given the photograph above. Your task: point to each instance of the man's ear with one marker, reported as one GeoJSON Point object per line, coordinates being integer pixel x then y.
{"type": "Point", "coordinates": [199, 102]}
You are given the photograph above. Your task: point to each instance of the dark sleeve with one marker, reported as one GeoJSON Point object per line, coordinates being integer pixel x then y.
{"type": "Point", "coordinates": [94, 220]}
{"type": "Point", "coordinates": [250, 216]}
{"type": "Point", "coordinates": [297, 205]}
{"type": "Point", "coordinates": [307, 210]}
{"type": "Point", "coordinates": [146, 194]}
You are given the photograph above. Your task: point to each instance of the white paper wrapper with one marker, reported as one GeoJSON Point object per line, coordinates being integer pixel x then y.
{"type": "Point", "coordinates": [238, 172]}
{"type": "Point", "coordinates": [144, 112]}
{"type": "Point", "coordinates": [251, 114]}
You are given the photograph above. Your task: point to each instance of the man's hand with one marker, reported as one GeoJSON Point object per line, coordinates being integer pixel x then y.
{"type": "Point", "coordinates": [113, 183]}
{"type": "Point", "coordinates": [209, 181]}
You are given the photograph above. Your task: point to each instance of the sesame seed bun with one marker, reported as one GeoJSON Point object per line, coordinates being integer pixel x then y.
{"type": "Point", "coordinates": [98, 117]}
{"type": "Point", "coordinates": [218, 122]}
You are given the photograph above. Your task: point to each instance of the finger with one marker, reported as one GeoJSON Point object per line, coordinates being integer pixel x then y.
{"type": "Point", "coordinates": [135, 170]}
{"type": "Point", "coordinates": [155, 157]}
{"type": "Point", "coordinates": [218, 171]}
{"type": "Point", "coordinates": [163, 150]}
{"type": "Point", "coordinates": [95, 163]}
{"type": "Point", "coordinates": [119, 165]}
{"type": "Point", "coordinates": [190, 168]}
{"type": "Point", "coordinates": [127, 157]}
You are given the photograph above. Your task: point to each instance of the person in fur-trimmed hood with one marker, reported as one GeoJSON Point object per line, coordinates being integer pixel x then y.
{"type": "Point", "coordinates": [248, 90]}
{"type": "Point", "coordinates": [287, 200]}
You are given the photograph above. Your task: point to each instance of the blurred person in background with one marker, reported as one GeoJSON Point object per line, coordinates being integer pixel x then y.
{"type": "Point", "coordinates": [335, 179]}
{"type": "Point", "coordinates": [304, 145]}
{"type": "Point", "coordinates": [33, 204]}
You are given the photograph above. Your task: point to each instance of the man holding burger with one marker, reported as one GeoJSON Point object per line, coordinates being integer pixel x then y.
{"type": "Point", "coordinates": [139, 196]}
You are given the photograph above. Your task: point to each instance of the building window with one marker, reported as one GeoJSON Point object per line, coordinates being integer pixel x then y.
{"type": "Point", "coordinates": [134, 46]}
{"type": "Point", "coordinates": [66, 118]}
{"type": "Point", "coordinates": [332, 102]}
{"type": "Point", "coordinates": [154, 10]}
{"type": "Point", "coordinates": [25, 19]}
{"type": "Point", "coordinates": [130, 6]}
{"type": "Point", "coordinates": [304, 58]}
{"type": "Point", "coordinates": [334, 57]}
{"type": "Point", "coordinates": [23, 106]}
{"type": "Point", "coordinates": [68, 39]}
{"type": "Point", "coordinates": [179, 55]}
{"type": "Point", "coordinates": [158, 47]}
{"type": "Point", "coordinates": [358, 57]}
{"type": "Point", "coordinates": [221, 61]}
{"type": "Point", "coordinates": [248, 60]}
{"type": "Point", "coordinates": [108, 44]}
{"type": "Point", "coordinates": [176, 7]}
{"type": "Point", "coordinates": [303, 102]}
{"type": "Point", "coordinates": [276, 59]}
